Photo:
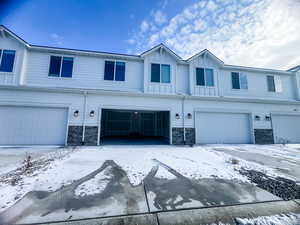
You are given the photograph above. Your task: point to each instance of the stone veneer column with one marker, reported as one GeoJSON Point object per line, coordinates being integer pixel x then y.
{"type": "Point", "coordinates": [263, 136]}
{"type": "Point", "coordinates": [91, 135]}
{"type": "Point", "coordinates": [178, 139]}
{"type": "Point", "coordinates": [190, 136]}
{"type": "Point", "coordinates": [177, 136]}
{"type": "Point", "coordinates": [75, 135]}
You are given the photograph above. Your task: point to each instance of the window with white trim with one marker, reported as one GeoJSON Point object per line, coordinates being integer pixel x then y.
{"type": "Point", "coordinates": [239, 80]}
{"type": "Point", "coordinates": [274, 83]}
{"type": "Point", "coordinates": [61, 66]}
{"type": "Point", "coordinates": [160, 73]}
{"type": "Point", "coordinates": [7, 59]}
{"type": "Point", "coordinates": [204, 77]}
{"type": "Point", "coordinates": [114, 70]}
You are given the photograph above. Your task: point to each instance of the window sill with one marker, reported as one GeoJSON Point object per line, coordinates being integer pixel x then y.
{"type": "Point", "coordinates": [60, 78]}
{"type": "Point", "coordinates": [161, 84]}
{"type": "Point", "coordinates": [7, 73]}
{"type": "Point", "coordinates": [206, 87]}
{"type": "Point", "coordinates": [239, 90]}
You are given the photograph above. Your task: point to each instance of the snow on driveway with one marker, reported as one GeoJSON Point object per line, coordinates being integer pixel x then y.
{"type": "Point", "coordinates": [137, 161]}
{"type": "Point", "coordinates": [12, 157]}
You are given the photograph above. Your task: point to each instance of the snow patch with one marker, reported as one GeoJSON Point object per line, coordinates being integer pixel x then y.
{"type": "Point", "coordinates": [289, 219]}
{"type": "Point", "coordinates": [95, 185]}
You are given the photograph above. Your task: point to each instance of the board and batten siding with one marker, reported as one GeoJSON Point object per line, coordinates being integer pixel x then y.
{"type": "Point", "coordinates": [160, 57]}
{"type": "Point", "coordinates": [88, 72]}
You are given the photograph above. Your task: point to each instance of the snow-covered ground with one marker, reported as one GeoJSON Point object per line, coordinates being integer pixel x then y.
{"type": "Point", "coordinates": [137, 161]}
{"type": "Point", "coordinates": [12, 157]}
{"type": "Point", "coordinates": [290, 219]}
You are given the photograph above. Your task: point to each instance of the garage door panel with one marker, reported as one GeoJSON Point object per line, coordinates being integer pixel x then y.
{"type": "Point", "coordinates": [227, 128]}
{"type": "Point", "coordinates": [32, 125]}
{"type": "Point", "coordinates": [286, 128]}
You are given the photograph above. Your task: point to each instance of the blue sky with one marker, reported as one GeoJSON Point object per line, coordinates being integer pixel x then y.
{"type": "Point", "coordinates": [261, 33]}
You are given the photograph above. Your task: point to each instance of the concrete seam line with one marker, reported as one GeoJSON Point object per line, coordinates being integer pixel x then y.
{"type": "Point", "coordinates": [146, 197]}
{"type": "Point", "coordinates": [157, 219]}
{"type": "Point", "coordinates": [297, 201]}
{"type": "Point", "coordinates": [153, 212]}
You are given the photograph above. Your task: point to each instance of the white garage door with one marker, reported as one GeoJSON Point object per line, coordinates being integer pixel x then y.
{"type": "Point", "coordinates": [32, 125]}
{"type": "Point", "coordinates": [222, 128]}
{"type": "Point", "coordinates": [286, 128]}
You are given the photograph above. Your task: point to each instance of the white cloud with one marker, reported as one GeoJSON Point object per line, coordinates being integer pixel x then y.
{"type": "Point", "coordinates": [159, 17]}
{"type": "Point", "coordinates": [56, 38]}
{"type": "Point", "coordinates": [144, 26]}
{"type": "Point", "coordinates": [261, 33]}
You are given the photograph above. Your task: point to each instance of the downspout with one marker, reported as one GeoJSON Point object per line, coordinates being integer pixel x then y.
{"type": "Point", "coordinates": [85, 93]}
{"type": "Point", "coordinates": [183, 121]}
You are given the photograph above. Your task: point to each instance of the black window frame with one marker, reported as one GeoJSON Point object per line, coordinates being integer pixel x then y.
{"type": "Point", "coordinates": [160, 73]}
{"type": "Point", "coordinates": [62, 58]}
{"type": "Point", "coordinates": [273, 88]}
{"type": "Point", "coordinates": [115, 67]}
{"type": "Point", "coordinates": [204, 83]}
{"type": "Point", "coordinates": [1, 60]}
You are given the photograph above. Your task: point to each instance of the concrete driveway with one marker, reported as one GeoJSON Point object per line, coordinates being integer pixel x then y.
{"type": "Point", "coordinates": [108, 190]}
{"type": "Point", "coordinates": [284, 160]}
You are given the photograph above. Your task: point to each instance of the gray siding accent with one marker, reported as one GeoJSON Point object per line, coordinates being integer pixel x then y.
{"type": "Point", "coordinates": [263, 136]}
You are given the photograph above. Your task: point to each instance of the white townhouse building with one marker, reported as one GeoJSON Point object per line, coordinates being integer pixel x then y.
{"type": "Point", "coordinates": [58, 96]}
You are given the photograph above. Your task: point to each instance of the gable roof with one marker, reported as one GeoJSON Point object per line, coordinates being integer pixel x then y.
{"type": "Point", "coordinates": [294, 69]}
{"type": "Point", "coordinates": [5, 29]}
{"type": "Point", "coordinates": [161, 46]}
{"type": "Point", "coordinates": [206, 52]}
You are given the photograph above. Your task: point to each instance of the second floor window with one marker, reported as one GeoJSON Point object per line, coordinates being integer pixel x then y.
{"type": "Point", "coordinates": [205, 77]}
{"type": "Point", "coordinates": [274, 84]}
{"type": "Point", "coordinates": [114, 70]}
{"type": "Point", "coordinates": [160, 73]}
{"type": "Point", "coordinates": [239, 80]}
{"type": "Point", "coordinates": [61, 66]}
{"type": "Point", "coordinates": [7, 58]}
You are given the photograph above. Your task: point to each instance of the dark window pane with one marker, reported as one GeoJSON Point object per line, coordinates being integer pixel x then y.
{"type": "Point", "coordinates": [109, 70]}
{"type": "Point", "coordinates": [271, 83]}
{"type": "Point", "coordinates": [155, 72]}
{"type": "Point", "coordinates": [7, 63]}
{"type": "Point", "coordinates": [54, 68]}
{"type": "Point", "coordinates": [165, 73]}
{"type": "Point", "coordinates": [200, 76]}
{"type": "Point", "coordinates": [209, 77]}
{"type": "Point", "coordinates": [67, 67]}
{"type": "Point", "coordinates": [235, 80]}
{"type": "Point", "coordinates": [120, 71]}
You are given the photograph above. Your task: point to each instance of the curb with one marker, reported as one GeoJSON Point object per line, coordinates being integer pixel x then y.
{"type": "Point", "coordinates": [220, 214]}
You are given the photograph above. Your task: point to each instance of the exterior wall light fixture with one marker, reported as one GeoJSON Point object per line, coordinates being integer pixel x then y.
{"type": "Point", "coordinates": [189, 116]}
{"type": "Point", "coordinates": [177, 116]}
{"type": "Point", "coordinates": [76, 113]}
{"type": "Point", "coordinates": [92, 113]}
{"type": "Point", "coordinates": [257, 117]}
{"type": "Point", "coordinates": [268, 118]}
